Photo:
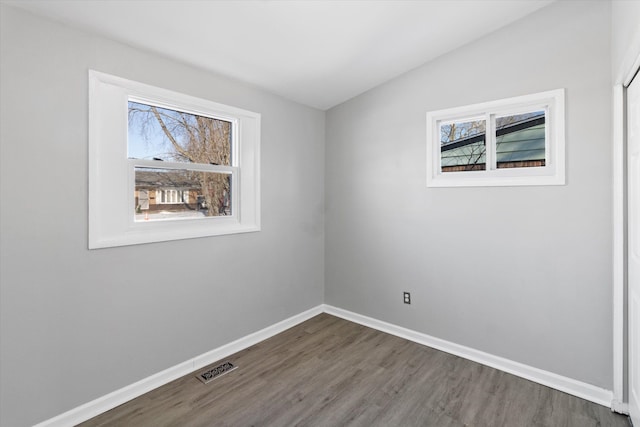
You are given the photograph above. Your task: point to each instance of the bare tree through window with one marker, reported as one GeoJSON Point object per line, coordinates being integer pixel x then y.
{"type": "Point", "coordinates": [165, 135]}
{"type": "Point", "coordinates": [463, 146]}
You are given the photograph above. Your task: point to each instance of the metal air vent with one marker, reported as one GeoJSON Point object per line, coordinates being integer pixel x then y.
{"type": "Point", "coordinates": [213, 373]}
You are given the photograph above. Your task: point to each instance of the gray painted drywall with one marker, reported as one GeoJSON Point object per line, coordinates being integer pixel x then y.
{"type": "Point", "coordinates": [625, 36]}
{"type": "Point", "coordinates": [78, 324]}
{"type": "Point", "coordinates": [518, 272]}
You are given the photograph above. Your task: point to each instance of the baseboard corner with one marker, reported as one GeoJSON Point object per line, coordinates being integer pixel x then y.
{"type": "Point", "coordinates": [568, 385]}
{"type": "Point", "coordinates": [619, 407]}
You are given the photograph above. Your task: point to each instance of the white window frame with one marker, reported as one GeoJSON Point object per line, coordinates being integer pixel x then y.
{"type": "Point", "coordinates": [112, 177]}
{"type": "Point", "coordinates": [553, 173]}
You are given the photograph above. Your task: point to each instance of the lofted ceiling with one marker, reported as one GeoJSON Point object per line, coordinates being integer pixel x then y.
{"type": "Point", "coordinates": [316, 52]}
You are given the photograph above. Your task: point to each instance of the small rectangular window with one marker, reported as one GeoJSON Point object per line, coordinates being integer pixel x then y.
{"type": "Point", "coordinates": [515, 141]}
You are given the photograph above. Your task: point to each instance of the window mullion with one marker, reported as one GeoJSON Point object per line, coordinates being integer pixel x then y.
{"type": "Point", "coordinates": [156, 164]}
{"type": "Point", "coordinates": [548, 131]}
{"type": "Point", "coordinates": [490, 142]}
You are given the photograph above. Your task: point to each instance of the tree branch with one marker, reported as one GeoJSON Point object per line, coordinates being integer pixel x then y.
{"type": "Point", "coordinates": [175, 144]}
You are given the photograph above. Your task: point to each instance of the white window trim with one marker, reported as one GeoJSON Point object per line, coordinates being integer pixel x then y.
{"type": "Point", "coordinates": [553, 173]}
{"type": "Point", "coordinates": [111, 173]}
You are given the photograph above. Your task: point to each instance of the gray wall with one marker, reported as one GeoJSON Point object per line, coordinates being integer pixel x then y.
{"type": "Point", "coordinates": [78, 324]}
{"type": "Point", "coordinates": [625, 36]}
{"type": "Point", "coordinates": [518, 272]}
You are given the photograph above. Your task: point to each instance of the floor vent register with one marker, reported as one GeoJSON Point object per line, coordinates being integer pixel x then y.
{"type": "Point", "coordinates": [213, 373]}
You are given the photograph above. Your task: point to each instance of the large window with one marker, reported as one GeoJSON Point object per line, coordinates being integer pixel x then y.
{"type": "Point", "coordinates": [165, 165]}
{"type": "Point", "coordinates": [515, 141]}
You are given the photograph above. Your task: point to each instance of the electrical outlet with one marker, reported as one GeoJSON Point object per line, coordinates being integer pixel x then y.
{"type": "Point", "coordinates": [407, 298]}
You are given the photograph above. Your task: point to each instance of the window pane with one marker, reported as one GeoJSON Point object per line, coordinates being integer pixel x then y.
{"type": "Point", "coordinates": [462, 146]}
{"type": "Point", "coordinates": [520, 140]}
{"type": "Point", "coordinates": [180, 194]}
{"type": "Point", "coordinates": [160, 134]}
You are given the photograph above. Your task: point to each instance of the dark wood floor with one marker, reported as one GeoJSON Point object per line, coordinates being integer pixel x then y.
{"type": "Point", "coordinates": [331, 372]}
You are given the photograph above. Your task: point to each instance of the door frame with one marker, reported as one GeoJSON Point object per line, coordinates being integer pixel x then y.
{"type": "Point", "coordinates": [619, 402]}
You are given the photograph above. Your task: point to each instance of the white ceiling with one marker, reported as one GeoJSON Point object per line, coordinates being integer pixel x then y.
{"type": "Point", "coordinates": [316, 52]}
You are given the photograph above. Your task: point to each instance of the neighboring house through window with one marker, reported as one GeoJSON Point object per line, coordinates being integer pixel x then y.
{"type": "Point", "coordinates": [516, 141]}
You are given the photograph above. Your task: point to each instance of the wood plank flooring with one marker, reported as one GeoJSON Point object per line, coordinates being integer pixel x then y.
{"type": "Point", "coordinates": [331, 372]}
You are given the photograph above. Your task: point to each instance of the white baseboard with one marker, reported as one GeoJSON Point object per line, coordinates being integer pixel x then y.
{"type": "Point", "coordinates": [102, 404]}
{"type": "Point", "coordinates": [620, 407]}
{"type": "Point", "coordinates": [568, 385]}
{"type": "Point", "coordinates": [118, 397]}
